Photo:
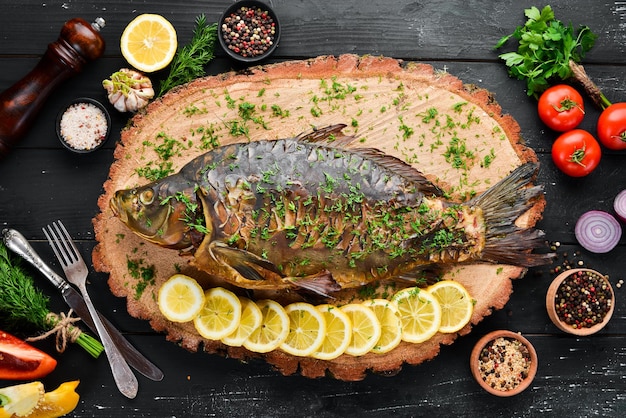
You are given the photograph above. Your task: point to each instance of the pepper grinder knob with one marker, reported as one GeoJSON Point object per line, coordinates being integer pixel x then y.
{"type": "Point", "coordinates": [78, 43]}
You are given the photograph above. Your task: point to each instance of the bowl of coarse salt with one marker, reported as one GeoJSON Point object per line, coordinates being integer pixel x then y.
{"type": "Point", "coordinates": [83, 125]}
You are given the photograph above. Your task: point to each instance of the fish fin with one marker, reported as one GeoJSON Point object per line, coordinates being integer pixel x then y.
{"type": "Point", "coordinates": [321, 283]}
{"type": "Point", "coordinates": [334, 137]}
{"type": "Point", "coordinates": [399, 167]}
{"type": "Point", "coordinates": [502, 204]}
{"type": "Point", "coordinates": [249, 265]}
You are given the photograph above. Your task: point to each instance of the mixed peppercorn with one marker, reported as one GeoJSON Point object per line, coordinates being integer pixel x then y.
{"type": "Point", "coordinates": [504, 363]}
{"type": "Point", "coordinates": [249, 32]}
{"type": "Point", "coordinates": [583, 299]}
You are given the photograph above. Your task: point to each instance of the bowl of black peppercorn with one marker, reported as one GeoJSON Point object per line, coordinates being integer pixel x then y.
{"type": "Point", "coordinates": [249, 31]}
{"type": "Point", "coordinates": [580, 301]}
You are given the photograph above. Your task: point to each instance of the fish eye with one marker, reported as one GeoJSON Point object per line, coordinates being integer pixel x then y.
{"type": "Point", "coordinates": [147, 196]}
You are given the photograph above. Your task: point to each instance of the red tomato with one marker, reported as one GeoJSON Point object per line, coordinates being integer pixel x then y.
{"type": "Point", "coordinates": [576, 153]}
{"type": "Point", "coordinates": [561, 108]}
{"type": "Point", "coordinates": [612, 126]}
{"type": "Point", "coordinates": [21, 361]}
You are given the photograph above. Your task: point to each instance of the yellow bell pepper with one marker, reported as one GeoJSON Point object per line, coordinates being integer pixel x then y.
{"type": "Point", "coordinates": [56, 403]}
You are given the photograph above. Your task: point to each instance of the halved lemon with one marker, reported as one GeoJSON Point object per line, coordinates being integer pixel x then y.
{"type": "Point", "coordinates": [420, 314]}
{"type": "Point", "coordinates": [180, 298]}
{"type": "Point", "coordinates": [338, 333]}
{"type": "Point", "coordinates": [220, 314]}
{"type": "Point", "coordinates": [391, 327]}
{"type": "Point", "coordinates": [149, 42]}
{"type": "Point", "coordinates": [307, 329]}
{"type": "Point", "coordinates": [251, 318]}
{"type": "Point", "coordinates": [273, 330]}
{"type": "Point", "coordinates": [456, 305]}
{"type": "Point", "coordinates": [366, 328]}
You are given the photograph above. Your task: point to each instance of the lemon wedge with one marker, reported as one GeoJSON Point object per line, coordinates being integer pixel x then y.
{"type": "Point", "coordinates": [273, 330]}
{"type": "Point", "coordinates": [338, 333]}
{"type": "Point", "coordinates": [220, 314]}
{"type": "Point", "coordinates": [420, 314]}
{"type": "Point", "coordinates": [307, 329]}
{"type": "Point", "coordinates": [180, 298]}
{"type": "Point", "coordinates": [366, 328]}
{"type": "Point", "coordinates": [456, 305]}
{"type": "Point", "coordinates": [149, 42]}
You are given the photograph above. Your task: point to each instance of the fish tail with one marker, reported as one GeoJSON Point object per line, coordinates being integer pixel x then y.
{"type": "Point", "coordinates": [502, 204]}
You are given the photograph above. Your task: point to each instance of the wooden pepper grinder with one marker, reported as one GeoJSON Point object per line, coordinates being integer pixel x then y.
{"type": "Point", "coordinates": [79, 42]}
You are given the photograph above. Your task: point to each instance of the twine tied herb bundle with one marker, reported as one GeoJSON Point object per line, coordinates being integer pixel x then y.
{"type": "Point", "coordinates": [24, 307]}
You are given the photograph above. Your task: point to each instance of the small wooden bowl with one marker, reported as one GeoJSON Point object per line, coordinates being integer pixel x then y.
{"type": "Point", "coordinates": [551, 305]}
{"type": "Point", "coordinates": [475, 362]}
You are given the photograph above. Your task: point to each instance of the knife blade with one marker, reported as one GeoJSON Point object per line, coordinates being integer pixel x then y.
{"type": "Point", "coordinates": [17, 243]}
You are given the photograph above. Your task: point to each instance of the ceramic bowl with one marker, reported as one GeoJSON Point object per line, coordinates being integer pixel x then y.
{"type": "Point", "coordinates": [236, 49]}
{"type": "Point", "coordinates": [84, 125]}
{"type": "Point", "coordinates": [558, 320]}
{"type": "Point", "coordinates": [503, 382]}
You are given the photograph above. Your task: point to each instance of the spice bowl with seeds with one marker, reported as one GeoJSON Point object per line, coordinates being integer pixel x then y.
{"type": "Point", "coordinates": [83, 125]}
{"type": "Point", "coordinates": [580, 301]}
{"type": "Point", "coordinates": [249, 31]}
{"type": "Point", "coordinates": [504, 363]}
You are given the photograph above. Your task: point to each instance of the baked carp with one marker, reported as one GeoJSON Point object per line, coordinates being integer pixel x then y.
{"type": "Point", "coordinates": [308, 213]}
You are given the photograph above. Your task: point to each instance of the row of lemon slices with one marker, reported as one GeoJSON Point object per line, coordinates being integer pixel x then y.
{"type": "Point", "coordinates": [323, 331]}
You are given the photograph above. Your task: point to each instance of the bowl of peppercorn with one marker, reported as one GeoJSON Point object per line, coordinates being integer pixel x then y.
{"type": "Point", "coordinates": [249, 31]}
{"type": "Point", "coordinates": [580, 301]}
{"type": "Point", "coordinates": [504, 363]}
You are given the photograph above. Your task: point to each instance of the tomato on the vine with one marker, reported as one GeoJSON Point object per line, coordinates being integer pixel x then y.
{"type": "Point", "coordinates": [612, 126]}
{"type": "Point", "coordinates": [561, 108]}
{"type": "Point", "coordinates": [576, 153]}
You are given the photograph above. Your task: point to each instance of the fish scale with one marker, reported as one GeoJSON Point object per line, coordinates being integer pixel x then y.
{"type": "Point", "coordinates": [309, 213]}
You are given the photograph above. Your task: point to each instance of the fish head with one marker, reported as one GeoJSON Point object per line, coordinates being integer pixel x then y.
{"type": "Point", "coordinates": [160, 212]}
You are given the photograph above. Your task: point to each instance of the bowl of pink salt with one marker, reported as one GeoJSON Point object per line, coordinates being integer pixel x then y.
{"type": "Point", "coordinates": [84, 125]}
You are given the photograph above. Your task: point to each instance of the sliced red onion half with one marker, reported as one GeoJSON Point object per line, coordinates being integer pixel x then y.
{"type": "Point", "coordinates": [598, 231]}
{"type": "Point", "coordinates": [619, 205]}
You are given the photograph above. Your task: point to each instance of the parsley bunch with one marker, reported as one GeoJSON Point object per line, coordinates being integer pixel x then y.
{"type": "Point", "coordinates": [548, 50]}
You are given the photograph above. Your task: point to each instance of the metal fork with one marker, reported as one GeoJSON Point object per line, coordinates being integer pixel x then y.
{"type": "Point", "coordinates": [76, 271]}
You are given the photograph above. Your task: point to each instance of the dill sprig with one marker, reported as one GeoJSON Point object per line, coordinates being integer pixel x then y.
{"type": "Point", "coordinates": [188, 63]}
{"type": "Point", "coordinates": [23, 306]}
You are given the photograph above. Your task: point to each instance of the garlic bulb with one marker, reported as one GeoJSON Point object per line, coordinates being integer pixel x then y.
{"type": "Point", "coordinates": [128, 90]}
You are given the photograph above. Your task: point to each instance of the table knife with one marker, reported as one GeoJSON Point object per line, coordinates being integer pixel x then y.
{"type": "Point", "coordinates": [18, 244]}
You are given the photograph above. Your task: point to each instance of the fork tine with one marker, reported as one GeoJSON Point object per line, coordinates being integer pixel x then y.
{"type": "Point", "coordinates": [67, 241]}
{"type": "Point", "coordinates": [52, 240]}
{"type": "Point", "coordinates": [59, 245]}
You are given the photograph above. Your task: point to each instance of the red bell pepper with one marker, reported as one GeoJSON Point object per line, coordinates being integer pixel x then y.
{"type": "Point", "coordinates": [21, 361]}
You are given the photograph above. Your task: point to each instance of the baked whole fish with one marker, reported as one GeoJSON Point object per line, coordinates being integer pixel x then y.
{"type": "Point", "coordinates": [308, 213]}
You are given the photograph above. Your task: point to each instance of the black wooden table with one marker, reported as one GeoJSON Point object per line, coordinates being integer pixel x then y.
{"type": "Point", "coordinates": [40, 182]}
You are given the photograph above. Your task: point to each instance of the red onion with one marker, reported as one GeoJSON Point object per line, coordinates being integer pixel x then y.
{"type": "Point", "coordinates": [619, 205]}
{"type": "Point", "coordinates": [598, 231]}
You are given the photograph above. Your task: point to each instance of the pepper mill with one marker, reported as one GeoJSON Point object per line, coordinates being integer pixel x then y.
{"type": "Point", "coordinates": [79, 42]}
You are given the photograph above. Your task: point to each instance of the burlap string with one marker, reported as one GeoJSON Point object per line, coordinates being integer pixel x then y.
{"type": "Point", "coordinates": [62, 328]}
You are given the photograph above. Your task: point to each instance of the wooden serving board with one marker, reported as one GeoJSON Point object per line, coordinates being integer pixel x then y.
{"type": "Point", "coordinates": [455, 134]}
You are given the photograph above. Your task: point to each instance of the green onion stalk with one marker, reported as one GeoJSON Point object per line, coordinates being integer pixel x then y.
{"type": "Point", "coordinates": [23, 306]}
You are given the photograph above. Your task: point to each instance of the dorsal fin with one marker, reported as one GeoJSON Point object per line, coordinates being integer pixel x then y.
{"type": "Point", "coordinates": [333, 136]}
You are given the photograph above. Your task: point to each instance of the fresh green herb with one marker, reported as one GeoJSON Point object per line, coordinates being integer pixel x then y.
{"type": "Point", "coordinates": [142, 273]}
{"type": "Point", "coordinates": [548, 50]}
{"type": "Point", "coordinates": [23, 306]}
{"type": "Point", "coordinates": [189, 62]}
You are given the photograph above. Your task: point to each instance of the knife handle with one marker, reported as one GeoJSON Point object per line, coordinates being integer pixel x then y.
{"type": "Point", "coordinates": [17, 243]}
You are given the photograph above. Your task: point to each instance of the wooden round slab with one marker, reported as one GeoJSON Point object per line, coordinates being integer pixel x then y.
{"type": "Point", "coordinates": [455, 134]}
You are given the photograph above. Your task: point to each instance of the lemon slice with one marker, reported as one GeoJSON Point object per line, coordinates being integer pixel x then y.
{"type": "Point", "coordinates": [251, 318]}
{"type": "Point", "coordinates": [273, 330]}
{"type": "Point", "coordinates": [456, 305]}
{"type": "Point", "coordinates": [391, 327]}
{"type": "Point", "coordinates": [180, 298]}
{"type": "Point", "coordinates": [307, 329]}
{"type": "Point", "coordinates": [149, 42]}
{"type": "Point", "coordinates": [420, 314]}
{"type": "Point", "coordinates": [365, 329]}
{"type": "Point", "coordinates": [220, 314]}
{"type": "Point", "coordinates": [338, 333]}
